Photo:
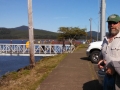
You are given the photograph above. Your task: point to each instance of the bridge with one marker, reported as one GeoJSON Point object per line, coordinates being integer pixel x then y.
{"type": "Point", "coordinates": [39, 49]}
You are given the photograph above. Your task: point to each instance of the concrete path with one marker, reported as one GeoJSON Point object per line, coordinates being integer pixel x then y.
{"type": "Point", "coordinates": [75, 72]}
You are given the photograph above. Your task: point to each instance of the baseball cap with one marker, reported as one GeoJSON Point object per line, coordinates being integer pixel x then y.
{"type": "Point", "coordinates": [113, 18]}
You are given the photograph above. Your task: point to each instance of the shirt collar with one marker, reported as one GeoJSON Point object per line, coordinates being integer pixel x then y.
{"type": "Point", "coordinates": [117, 36]}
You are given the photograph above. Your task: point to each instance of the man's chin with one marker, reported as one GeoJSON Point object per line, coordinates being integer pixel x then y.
{"type": "Point", "coordinates": [114, 33]}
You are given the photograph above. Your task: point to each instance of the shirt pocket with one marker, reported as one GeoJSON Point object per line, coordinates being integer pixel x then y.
{"type": "Point", "coordinates": [115, 52]}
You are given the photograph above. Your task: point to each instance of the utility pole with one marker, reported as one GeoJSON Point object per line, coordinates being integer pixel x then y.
{"type": "Point", "coordinates": [31, 34]}
{"type": "Point", "coordinates": [103, 19]}
{"type": "Point", "coordinates": [86, 34]}
{"type": "Point", "coordinates": [99, 8]}
{"type": "Point", "coordinates": [90, 29]}
{"type": "Point", "coordinates": [98, 32]}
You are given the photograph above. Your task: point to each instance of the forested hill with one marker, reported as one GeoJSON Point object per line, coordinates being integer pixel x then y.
{"type": "Point", "coordinates": [22, 32]}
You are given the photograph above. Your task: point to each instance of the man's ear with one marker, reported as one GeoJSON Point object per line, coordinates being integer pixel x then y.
{"type": "Point", "coordinates": [119, 26]}
{"type": "Point", "coordinates": [119, 23]}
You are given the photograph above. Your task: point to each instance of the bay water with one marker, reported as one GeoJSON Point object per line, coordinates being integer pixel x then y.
{"type": "Point", "coordinates": [13, 63]}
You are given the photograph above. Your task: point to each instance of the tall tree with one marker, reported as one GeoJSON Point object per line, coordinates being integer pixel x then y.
{"type": "Point", "coordinates": [71, 33]}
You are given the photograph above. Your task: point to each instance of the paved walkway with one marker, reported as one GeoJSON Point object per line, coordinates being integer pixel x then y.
{"type": "Point", "coordinates": [75, 72]}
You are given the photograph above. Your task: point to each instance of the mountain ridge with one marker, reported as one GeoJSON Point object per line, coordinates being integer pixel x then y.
{"type": "Point", "coordinates": [23, 27]}
{"type": "Point", "coordinates": [40, 33]}
{"type": "Point", "coordinates": [21, 32]}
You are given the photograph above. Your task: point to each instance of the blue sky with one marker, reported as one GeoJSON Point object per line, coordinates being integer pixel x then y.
{"type": "Point", "coordinates": [52, 14]}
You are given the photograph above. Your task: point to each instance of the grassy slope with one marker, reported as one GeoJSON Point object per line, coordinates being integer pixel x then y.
{"type": "Point", "coordinates": [29, 79]}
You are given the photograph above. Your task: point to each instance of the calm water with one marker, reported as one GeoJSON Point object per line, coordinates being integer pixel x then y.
{"type": "Point", "coordinates": [13, 63]}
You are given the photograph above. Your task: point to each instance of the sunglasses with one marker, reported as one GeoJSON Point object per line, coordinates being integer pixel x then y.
{"type": "Point", "coordinates": [112, 22]}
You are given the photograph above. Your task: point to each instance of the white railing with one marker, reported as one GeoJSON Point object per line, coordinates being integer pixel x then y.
{"type": "Point", "coordinates": [39, 49]}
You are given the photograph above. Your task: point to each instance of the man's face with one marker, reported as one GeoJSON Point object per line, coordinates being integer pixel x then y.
{"type": "Point", "coordinates": [114, 28]}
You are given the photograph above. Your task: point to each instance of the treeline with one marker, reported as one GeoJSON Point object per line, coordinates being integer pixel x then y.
{"type": "Point", "coordinates": [23, 33]}
{"type": "Point", "coordinates": [6, 33]}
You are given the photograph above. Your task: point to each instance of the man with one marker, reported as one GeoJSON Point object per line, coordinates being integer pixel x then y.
{"type": "Point", "coordinates": [110, 54]}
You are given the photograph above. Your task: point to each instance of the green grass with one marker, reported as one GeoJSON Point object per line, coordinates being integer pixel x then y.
{"type": "Point", "coordinates": [29, 79]}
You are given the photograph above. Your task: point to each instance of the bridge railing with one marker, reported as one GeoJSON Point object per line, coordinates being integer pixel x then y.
{"type": "Point", "coordinates": [39, 49]}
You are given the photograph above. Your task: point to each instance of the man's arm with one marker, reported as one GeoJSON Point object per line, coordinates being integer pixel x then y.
{"type": "Point", "coordinates": [110, 69]}
{"type": "Point", "coordinates": [100, 66]}
{"type": "Point", "coordinates": [116, 66]}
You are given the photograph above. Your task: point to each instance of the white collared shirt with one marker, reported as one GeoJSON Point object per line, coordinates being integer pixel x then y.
{"type": "Point", "coordinates": [111, 50]}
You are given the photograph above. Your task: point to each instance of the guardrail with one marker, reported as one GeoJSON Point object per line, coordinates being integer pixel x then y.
{"type": "Point", "coordinates": [39, 49]}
